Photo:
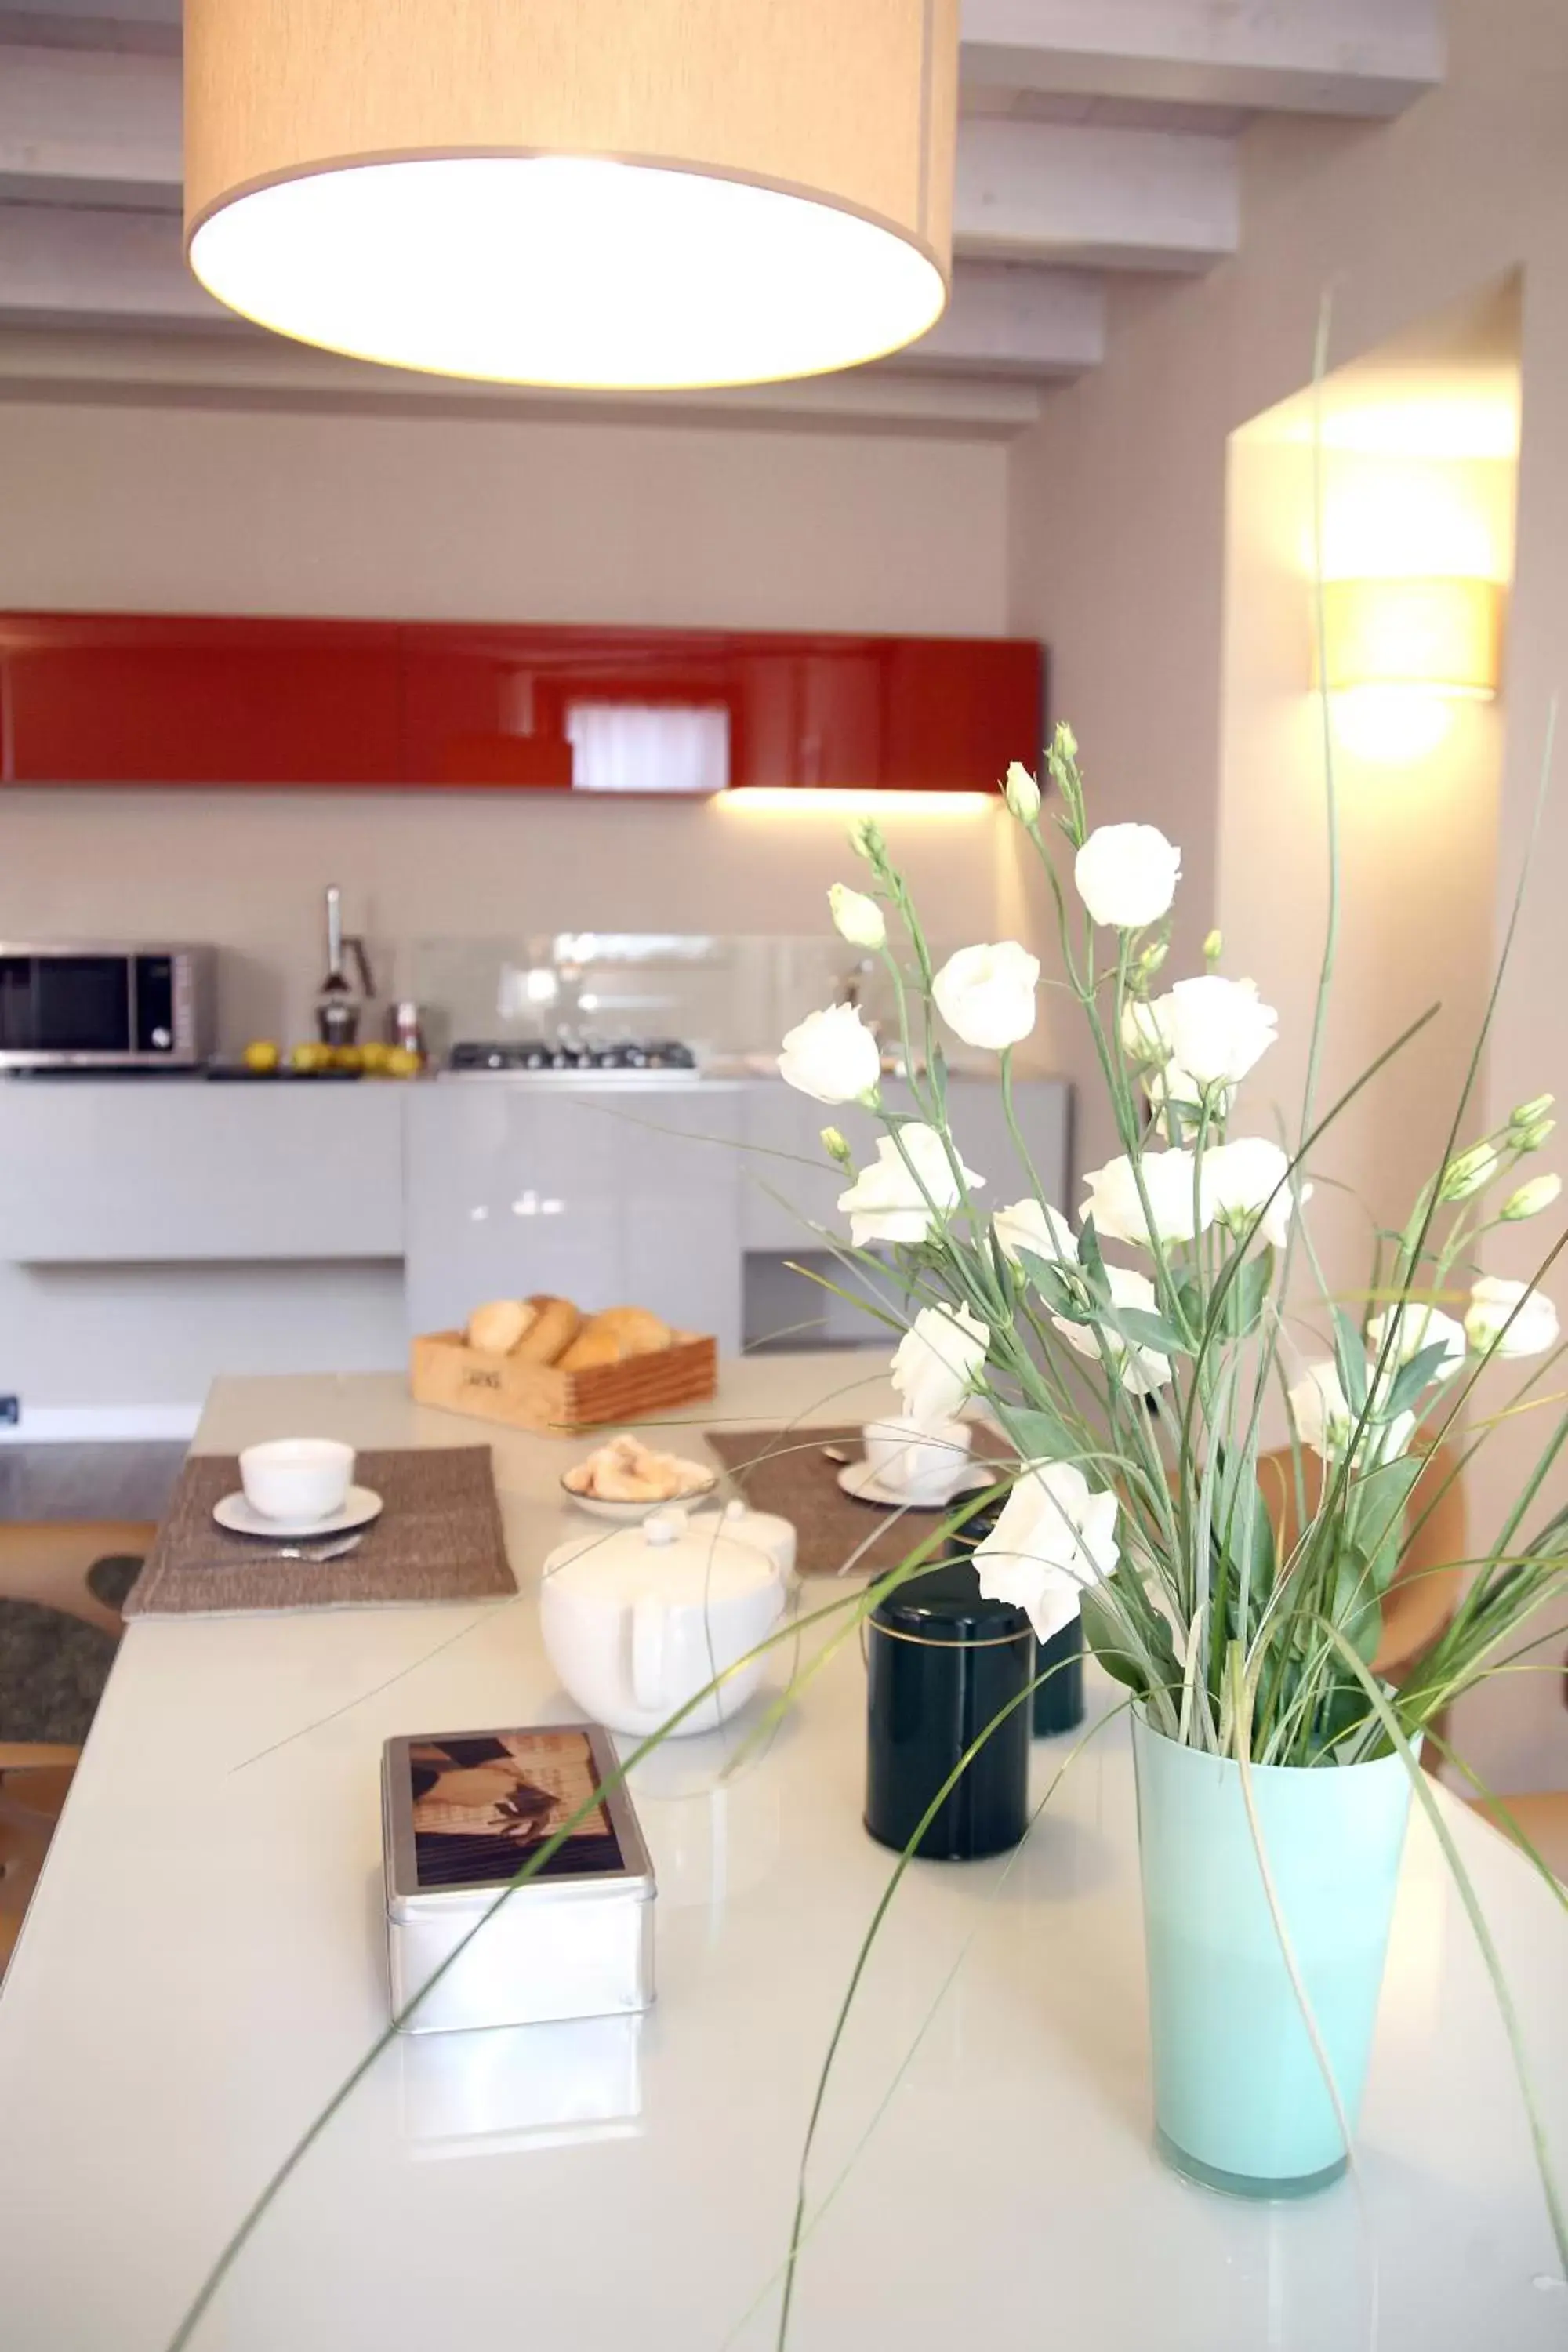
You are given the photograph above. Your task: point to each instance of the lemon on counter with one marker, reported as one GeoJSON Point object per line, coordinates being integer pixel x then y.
{"type": "Point", "coordinates": [375, 1055]}
{"type": "Point", "coordinates": [308, 1057]}
{"type": "Point", "coordinates": [262, 1055]}
{"type": "Point", "coordinates": [401, 1064]}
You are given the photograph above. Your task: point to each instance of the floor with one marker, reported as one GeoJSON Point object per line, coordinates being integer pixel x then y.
{"type": "Point", "coordinates": [88, 1481]}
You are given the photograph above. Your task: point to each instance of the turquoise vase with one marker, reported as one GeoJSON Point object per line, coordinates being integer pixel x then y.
{"type": "Point", "coordinates": [1240, 2100]}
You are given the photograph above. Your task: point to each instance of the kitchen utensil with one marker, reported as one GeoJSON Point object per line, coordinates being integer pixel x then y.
{"type": "Point", "coordinates": [315, 1554]}
{"type": "Point", "coordinates": [636, 1624]}
{"type": "Point", "coordinates": [340, 1000]}
{"type": "Point", "coordinates": [360, 1506]}
{"type": "Point", "coordinates": [404, 1027]}
{"type": "Point", "coordinates": [300, 1479]}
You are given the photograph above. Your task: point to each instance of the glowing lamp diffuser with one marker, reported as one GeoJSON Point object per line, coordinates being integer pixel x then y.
{"type": "Point", "coordinates": [1432, 637]}
{"type": "Point", "coordinates": [610, 193]}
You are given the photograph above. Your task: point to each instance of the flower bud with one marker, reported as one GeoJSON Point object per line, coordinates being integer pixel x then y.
{"type": "Point", "coordinates": [865, 839]}
{"type": "Point", "coordinates": [837, 1146]}
{"type": "Point", "coordinates": [1065, 742]}
{"type": "Point", "coordinates": [1213, 947]}
{"type": "Point", "coordinates": [1469, 1172]}
{"type": "Point", "coordinates": [1152, 957]}
{"type": "Point", "coordinates": [1532, 1138]}
{"type": "Point", "coordinates": [1531, 1197]}
{"type": "Point", "coordinates": [1527, 1113]}
{"type": "Point", "coordinates": [1022, 793]}
{"type": "Point", "coordinates": [857, 918]}
{"type": "Point", "coordinates": [1143, 1039]}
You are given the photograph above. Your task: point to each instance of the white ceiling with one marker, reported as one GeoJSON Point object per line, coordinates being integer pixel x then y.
{"type": "Point", "coordinates": [1096, 136]}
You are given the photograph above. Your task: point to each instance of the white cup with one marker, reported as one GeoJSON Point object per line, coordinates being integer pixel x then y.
{"type": "Point", "coordinates": [297, 1478]}
{"type": "Point", "coordinates": [637, 1626]}
{"type": "Point", "coordinates": [921, 1465]}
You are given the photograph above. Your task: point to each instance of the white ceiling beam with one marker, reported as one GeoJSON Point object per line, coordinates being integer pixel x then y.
{"type": "Point", "coordinates": [1003, 320]}
{"type": "Point", "coordinates": [248, 369]}
{"type": "Point", "coordinates": [73, 266]}
{"type": "Point", "coordinates": [1358, 57]}
{"type": "Point", "coordinates": [68, 264]}
{"type": "Point", "coordinates": [90, 126]}
{"type": "Point", "coordinates": [1079, 194]}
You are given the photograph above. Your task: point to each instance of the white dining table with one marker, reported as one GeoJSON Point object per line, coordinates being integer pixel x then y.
{"type": "Point", "coordinates": [205, 1964]}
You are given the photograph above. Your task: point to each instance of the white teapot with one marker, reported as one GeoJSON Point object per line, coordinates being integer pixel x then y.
{"type": "Point", "coordinates": [636, 1623]}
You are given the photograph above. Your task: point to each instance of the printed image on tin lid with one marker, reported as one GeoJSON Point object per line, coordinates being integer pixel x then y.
{"type": "Point", "coordinates": [477, 1804]}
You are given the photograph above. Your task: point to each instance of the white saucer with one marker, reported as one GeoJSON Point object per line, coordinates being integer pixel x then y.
{"type": "Point", "coordinates": [861, 1483]}
{"type": "Point", "coordinates": [361, 1504]}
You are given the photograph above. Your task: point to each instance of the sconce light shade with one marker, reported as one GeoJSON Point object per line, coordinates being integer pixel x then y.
{"type": "Point", "coordinates": [613, 193]}
{"type": "Point", "coordinates": [1440, 635]}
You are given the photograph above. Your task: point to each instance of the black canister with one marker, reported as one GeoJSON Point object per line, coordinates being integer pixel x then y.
{"type": "Point", "coordinates": [943, 1664]}
{"type": "Point", "coordinates": [1057, 1704]}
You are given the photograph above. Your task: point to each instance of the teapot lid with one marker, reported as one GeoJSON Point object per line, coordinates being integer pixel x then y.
{"type": "Point", "coordinates": [670, 1556]}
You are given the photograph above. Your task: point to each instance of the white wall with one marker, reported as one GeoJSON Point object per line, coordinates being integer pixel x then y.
{"type": "Point", "coordinates": [196, 510]}
{"type": "Point", "coordinates": [1118, 550]}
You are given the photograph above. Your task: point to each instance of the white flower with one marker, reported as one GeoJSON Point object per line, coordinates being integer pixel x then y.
{"type": "Point", "coordinates": [1321, 1409]}
{"type": "Point", "coordinates": [1492, 1301]}
{"type": "Point", "coordinates": [832, 1056]}
{"type": "Point", "coordinates": [1143, 1040]}
{"type": "Point", "coordinates": [1022, 793]}
{"type": "Point", "coordinates": [988, 994]}
{"type": "Point", "coordinates": [1179, 1210]}
{"type": "Point", "coordinates": [1138, 1369]}
{"type": "Point", "coordinates": [857, 918]}
{"type": "Point", "coordinates": [1530, 1198]}
{"type": "Point", "coordinates": [1239, 1176]}
{"type": "Point", "coordinates": [937, 1361]}
{"type": "Point", "coordinates": [1126, 875]}
{"type": "Point", "coordinates": [1214, 1031]}
{"type": "Point", "coordinates": [1033, 1225]}
{"type": "Point", "coordinates": [1054, 1539]}
{"type": "Point", "coordinates": [1414, 1329]}
{"type": "Point", "coordinates": [892, 1201]}
{"type": "Point", "coordinates": [1324, 1419]}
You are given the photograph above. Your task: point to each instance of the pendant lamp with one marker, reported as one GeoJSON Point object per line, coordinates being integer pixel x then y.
{"type": "Point", "coordinates": [634, 193]}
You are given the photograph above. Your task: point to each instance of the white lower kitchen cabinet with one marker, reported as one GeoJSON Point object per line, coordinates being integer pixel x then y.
{"type": "Point", "coordinates": [609, 1195]}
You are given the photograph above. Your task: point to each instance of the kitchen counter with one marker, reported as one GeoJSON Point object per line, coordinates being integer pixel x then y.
{"type": "Point", "coordinates": [205, 1963]}
{"type": "Point", "coordinates": [154, 1231]}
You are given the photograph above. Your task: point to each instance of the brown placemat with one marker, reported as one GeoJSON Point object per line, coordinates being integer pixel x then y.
{"type": "Point", "coordinates": [784, 1470]}
{"type": "Point", "coordinates": [438, 1538]}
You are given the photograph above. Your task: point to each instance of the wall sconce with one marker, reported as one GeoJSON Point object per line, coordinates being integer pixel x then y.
{"type": "Point", "coordinates": [1398, 653]}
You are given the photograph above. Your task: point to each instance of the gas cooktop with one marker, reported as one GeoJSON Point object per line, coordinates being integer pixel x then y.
{"type": "Point", "coordinates": [515, 1057]}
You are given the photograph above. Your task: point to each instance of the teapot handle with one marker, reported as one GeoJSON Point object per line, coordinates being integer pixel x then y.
{"type": "Point", "coordinates": [648, 1619]}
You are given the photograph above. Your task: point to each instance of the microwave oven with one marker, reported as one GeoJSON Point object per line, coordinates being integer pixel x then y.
{"type": "Point", "coordinates": [103, 1005]}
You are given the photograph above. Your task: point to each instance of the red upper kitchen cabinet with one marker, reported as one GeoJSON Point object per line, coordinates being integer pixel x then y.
{"type": "Point", "coordinates": [590, 709]}
{"type": "Point", "coordinates": [157, 698]}
{"type": "Point", "coordinates": [109, 698]}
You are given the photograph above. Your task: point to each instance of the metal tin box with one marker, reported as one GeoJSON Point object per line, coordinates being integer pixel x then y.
{"type": "Point", "coordinates": [460, 1813]}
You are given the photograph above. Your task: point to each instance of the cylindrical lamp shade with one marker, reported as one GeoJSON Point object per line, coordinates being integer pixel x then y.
{"type": "Point", "coordinates": [634, 193]}
{"type": "Point", "coordinates": [1442, 636]}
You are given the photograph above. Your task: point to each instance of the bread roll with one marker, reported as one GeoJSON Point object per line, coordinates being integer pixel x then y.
{"type": "Point", "coordinates": [590, 1347]}
{"type": "Point", "coordinates": [640, 1332]}
{"type": "Point", "coordinates": [555, 1324]}
{"type": "Point", "coordinates": [496, 1328]}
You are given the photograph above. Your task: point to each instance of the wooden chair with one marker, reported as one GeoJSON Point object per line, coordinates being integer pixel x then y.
{"type": "Point", "coordinates": [48, 1564]}
{"type": "Point", "coordinates": [1543, 1815]}
{"type": "Point", "coordinates": [1426, 1588]}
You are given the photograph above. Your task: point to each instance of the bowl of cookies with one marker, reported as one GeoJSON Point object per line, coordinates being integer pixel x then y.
{"type": "Point", "coordinates": [625, 1479]}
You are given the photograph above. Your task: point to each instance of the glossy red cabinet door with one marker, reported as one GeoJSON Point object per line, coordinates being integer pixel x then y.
{"type": "Point", "coordinates": [155, 699]}
{"type": "Point", "coordinates": [701, 711]}
{"type": "Point", "coordinates": [129, 699]}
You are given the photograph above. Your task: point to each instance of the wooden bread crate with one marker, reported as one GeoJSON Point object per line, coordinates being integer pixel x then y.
{"type": "Point", "coordinates": [445, 1370]}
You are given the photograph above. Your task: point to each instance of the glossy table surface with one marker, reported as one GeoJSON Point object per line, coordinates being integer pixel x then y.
{"type": "Point", "coordinates": [205, 1963]}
